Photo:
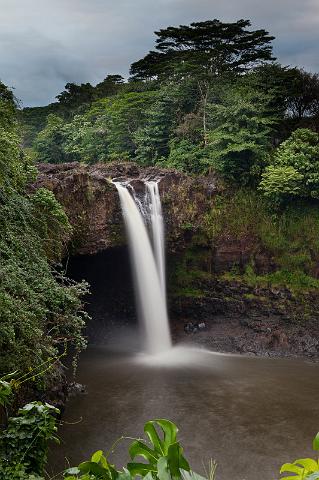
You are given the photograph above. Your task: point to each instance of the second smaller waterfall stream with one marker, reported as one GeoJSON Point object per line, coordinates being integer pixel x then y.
{"type": "Point", "coordinates": [148, 265]}
{"type": "Point", "coordinates": [157, 224]}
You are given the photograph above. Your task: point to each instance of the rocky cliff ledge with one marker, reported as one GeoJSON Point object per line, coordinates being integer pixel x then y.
{"type": "Point", "coordinates": [238, 317]}
{"type": "Point", "coordinates": [92, 204]}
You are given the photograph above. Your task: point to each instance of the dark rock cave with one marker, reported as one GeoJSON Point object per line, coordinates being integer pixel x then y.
{"type": "Point", "coordinates": [111, 302]}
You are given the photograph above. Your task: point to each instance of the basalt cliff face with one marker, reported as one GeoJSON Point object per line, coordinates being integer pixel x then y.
{"type": "Point", "coordinates": [237, 317]}
{"type": "Point", "coordinates": [92, 204]}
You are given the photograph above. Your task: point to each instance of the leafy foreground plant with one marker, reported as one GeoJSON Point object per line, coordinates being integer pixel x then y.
{"type": "Point", "coordinates": [164, 459]}
{"type": "Point", "coordinates": [24, 442]}
{"type": "Point", "coordinates": [303, 468]}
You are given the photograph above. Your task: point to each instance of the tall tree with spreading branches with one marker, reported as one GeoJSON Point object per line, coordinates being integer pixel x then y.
{"type": "Point", "coordinates": [203, 51]}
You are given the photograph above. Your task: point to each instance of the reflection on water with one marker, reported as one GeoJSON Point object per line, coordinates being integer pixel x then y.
{"type": "Point", "coordinates": [249, 414]}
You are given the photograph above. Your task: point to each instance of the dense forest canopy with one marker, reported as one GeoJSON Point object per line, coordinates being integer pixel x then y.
{"type": "Point", "coordinates": [210, 96]}
{"type": "Point", "coordinates": [204, 49]}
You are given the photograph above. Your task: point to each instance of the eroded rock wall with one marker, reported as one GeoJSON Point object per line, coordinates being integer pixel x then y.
{"type": "Point", "coordinates": [92, 204]}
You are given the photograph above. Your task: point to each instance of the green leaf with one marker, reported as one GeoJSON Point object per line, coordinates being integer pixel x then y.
{"type": "Point", "coordinates": [148, 476]}
{"type": "Point", "coordinates": [290, 467]}
{"type": "Point", "coordinates": [125, 475]}
{"type": "Point", "coordinates": [84, 467]}
{"type": "Point", "coordinates": [162, 469]}
{"type": "Point", "coordinates": [150, 430]}
{"type": "Point", "coordinates": [72, 471]}
{"type": "Point", "coordinates": [307, 463]}
{"type": "Point", "coordinates": [170, 430]}
{"type": "Point", "coordinates": [140, 469]}
{"type": "Point", "coordinates": [176, 461]}
{"type": "Point", "coordinates": [92, 467]}
{"type": "Point", "coordinates": [315, 443]}
{"type": "Point", "coordinates": [96, 457]}
{"type": "Point", "coordinates": [139, 449]}
{"type": "Point", "coordinates": [313, 476]}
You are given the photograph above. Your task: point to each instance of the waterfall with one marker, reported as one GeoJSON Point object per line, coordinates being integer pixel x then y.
{"type": "Point", "coordinates": [157, 230]}
{"type": "Point", "coordinates": [148, 267]}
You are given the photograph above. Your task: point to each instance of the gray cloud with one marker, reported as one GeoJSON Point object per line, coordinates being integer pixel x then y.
{"type": "Point", "coordinates": [45, 43]}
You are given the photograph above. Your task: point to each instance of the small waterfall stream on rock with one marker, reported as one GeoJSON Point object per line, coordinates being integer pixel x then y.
{"type": "Point", "coordinates": [157, 224]}
{"type": "Point", "coordinates": [148, 265]}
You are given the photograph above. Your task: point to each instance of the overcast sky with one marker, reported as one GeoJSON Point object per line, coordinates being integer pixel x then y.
{"type": "Point", "coordinates": [46, 43]}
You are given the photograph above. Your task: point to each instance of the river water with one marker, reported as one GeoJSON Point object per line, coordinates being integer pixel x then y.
{"type": "Point", "coordinates": [249, 414]}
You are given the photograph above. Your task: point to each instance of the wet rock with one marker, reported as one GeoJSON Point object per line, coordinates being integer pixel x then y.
{"type": "Point", "coordinates": [274, 322]}
{"type": "Point", "coordinates": [191, 327]}
{"type": "Point", "coordinates": [75, 388]}
{"type": "Point", "coordinates": [92, 204]}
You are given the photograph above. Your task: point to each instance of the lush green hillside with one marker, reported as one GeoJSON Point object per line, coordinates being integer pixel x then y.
{"type": "Point", "coordinates": [40, 310]}
{"type": "Point", "coordinates": [198, 103]}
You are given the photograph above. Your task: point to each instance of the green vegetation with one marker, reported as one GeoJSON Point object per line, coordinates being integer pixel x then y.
{"type": "Point", "coordinates": [24, 438]}
{"type": "Point", "coordinates": [294, 170]}
{"type": "Point", "coordinates": [188, 271]}
{"type": "Point", "coordinates": [209, 99]}
{"type": "Point", "coordinates": [199, 103]}
{"type": "Point", "coordinates": [303, 468]}
{"type": "Point", "coordinates": [210, 96]}
{"type": "Point", "coordinates": [40, 309]}
{"type": "Point", "coordinates": [163, 459]}
{"type": "Point", "coordinates": [289, 238]}
{"type": "Point", "coordinates": [24, 442]}
{"type": "Point", "coordinates": [172, 101]}
{"type": "Point", "coordinates": [204, 49]}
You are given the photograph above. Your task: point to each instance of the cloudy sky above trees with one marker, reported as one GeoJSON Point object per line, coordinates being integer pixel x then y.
{"type": "Point", "coordinates": [46, 43]}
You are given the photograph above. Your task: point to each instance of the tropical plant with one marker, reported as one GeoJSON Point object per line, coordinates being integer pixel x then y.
{"type": "Point", "coordinates": [163, 454]}
{"type": "Point", "coordinates": [96, 468]}
{"type": "Point", "coordinates": [85, 137]}
{"type": "Point", "coordinates": [24, 442]}
{"type": "Point", "coordinates": [303, 468]}
{"type": "Point", "coordinates": [152, 140]}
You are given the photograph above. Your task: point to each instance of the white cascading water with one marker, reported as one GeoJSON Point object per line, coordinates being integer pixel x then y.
{"type": "Point", "coordinates": [157, 225]}
{"type": "Point", "coordinates": [149, 274]}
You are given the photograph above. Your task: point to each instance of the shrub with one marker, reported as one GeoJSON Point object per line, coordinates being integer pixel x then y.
{"type": "Point", "coordinates": [24, 441]}
{"type": "Point", "coordinates": [40, 309]}
{"type": "Point", "coordinates": [294, 171]}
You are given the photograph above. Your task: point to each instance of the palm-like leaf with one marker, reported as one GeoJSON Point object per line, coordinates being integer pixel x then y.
{"type": "Point", "coordinates": [303, 468]}
{"type": "Point", "coordinates": [164, 455]}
